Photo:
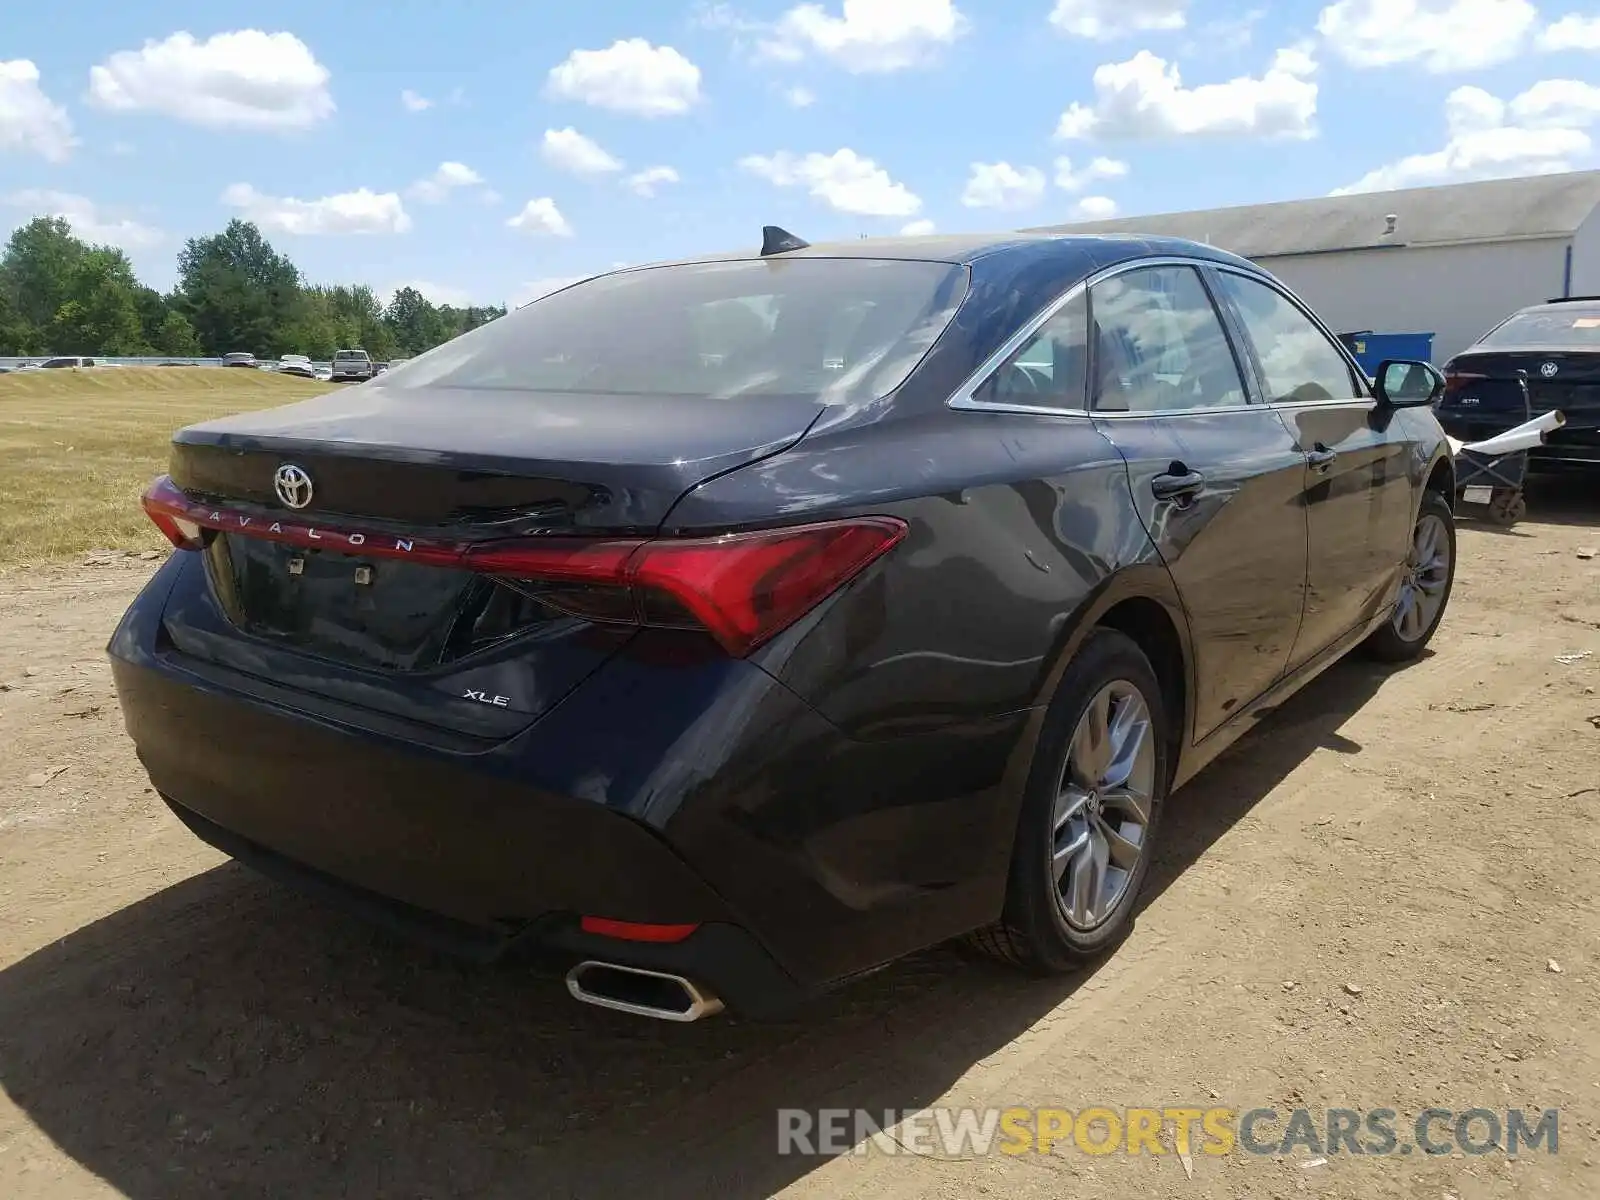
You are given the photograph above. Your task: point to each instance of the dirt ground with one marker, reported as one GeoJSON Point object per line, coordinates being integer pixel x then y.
{"type": "Point", "coordinates": [173, 1026]}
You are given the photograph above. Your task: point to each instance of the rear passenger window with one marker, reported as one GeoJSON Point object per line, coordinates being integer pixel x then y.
{"type": "Point", "coordinates": [1050, 370]}
{"type": "Point", "coordinates": [1160, 345]}
{"type": "Point", "coordinates": [1298, 360]}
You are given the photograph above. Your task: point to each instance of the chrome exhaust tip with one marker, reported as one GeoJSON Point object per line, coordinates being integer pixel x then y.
{"type": "Point", "coordinates": [642, 993]}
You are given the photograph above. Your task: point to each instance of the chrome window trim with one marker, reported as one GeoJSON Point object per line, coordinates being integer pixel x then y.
{"type": "Point", "coordinates": [1357, 375]}
{"type": "Point", "coordinates": [964, 398]}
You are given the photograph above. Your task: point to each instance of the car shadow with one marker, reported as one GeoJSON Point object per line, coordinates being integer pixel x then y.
{"type": "Point", "coordinates": [225, 1035]}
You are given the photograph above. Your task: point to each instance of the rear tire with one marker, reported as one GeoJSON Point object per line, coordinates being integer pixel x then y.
{"type": "Point", "coordinates": [1094, 799]}
{"type": "Point", "coordinates": [1425, 590]}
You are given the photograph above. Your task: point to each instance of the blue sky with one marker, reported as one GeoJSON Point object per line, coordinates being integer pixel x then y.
{"type": "Point", "coordinates": [484, 151]}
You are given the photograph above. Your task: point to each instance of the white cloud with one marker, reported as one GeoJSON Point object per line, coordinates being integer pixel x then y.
{"type": "Point", "coordinates": [920, 228]}
{"type": "Point", "coordinates": [1571, 33]}
{"type": "Point", "coordinates": [450, 177]}
{"type": "Point", "coordinates": [844, 180]}
{"type": "Point", "coordinates": [360, 211]}
{"type": "Point", "coordinates": [538, 288]}
{"type": "Point", "coordinates": [29, 120]}
{"type": "Point", "coordinates": [1441, 35]}
{"type": "Point", "coordinates": [1094, 208]}
{"type": "Point", "coordinates": [630, 76]}
{"type": "Point", "coordinates": [1540, 131]}
{"type": "Point", "coordinates": [568, 150]}
{"type": "Point", "coordinates": [541, 217]}
{"type": "Point", "coordinates": [1144, 97]}
{"type": "Point", "coordinates": [88, 220]}
{"type": "Point", "coordinates": [1071, 179]}
{"type": "Point", "coordinates": [414, 102]}
{"type": "Point", "coordinates": [868, 35]}
{"type": "Point", "coordinates": [646, 182]}
{"type": "Point", "coordinates": [1104, 19]}
{"type": "Point", "coordinates": [799, 97]}
{"type": "Point", "coordinates": [242, 80]}
{"type": "Point", "coordinates": [1000, 185]}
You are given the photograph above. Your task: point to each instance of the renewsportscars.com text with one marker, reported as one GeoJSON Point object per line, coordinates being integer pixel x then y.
{"type": "Point", "coordinates": [1197, 1130]}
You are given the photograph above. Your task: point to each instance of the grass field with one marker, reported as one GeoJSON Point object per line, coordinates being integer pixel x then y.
{"type": "Point", "coordinates": [78, 447]}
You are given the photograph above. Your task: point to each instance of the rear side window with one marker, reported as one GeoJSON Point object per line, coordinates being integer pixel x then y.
{"type": "Point", "coordinates": [1577, 328]}
{"type": "Point", "coordinates": [830, 329]}
{"type": "Point", "coordinates": [1050, 370]}
{"type": "Point", "coordinates": [1160, 345]}
{"type": "Point", "coordinates": [1299, 362]}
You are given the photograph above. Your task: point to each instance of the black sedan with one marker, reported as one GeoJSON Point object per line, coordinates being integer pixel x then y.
{"type": "Point", "coordinates": [733, 627]}
{"type": "Point", "coordinates": [1556, 346]}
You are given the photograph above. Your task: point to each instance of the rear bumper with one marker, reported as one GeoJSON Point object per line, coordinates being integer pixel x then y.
{"type": "Point", "coordinates": [656, 792]}
{"type": "Point", "coordinates": [720, 956]}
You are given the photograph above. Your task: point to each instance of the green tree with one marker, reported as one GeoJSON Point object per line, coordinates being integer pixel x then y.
{"type": "Point", "coordinates": [176, 337]}
{"type": "Point", "coordinates": [238, 292]}
{"type": "Point", "coordinates": [36, 272]}
{"type": "Point", "coordinates": [414, 322]}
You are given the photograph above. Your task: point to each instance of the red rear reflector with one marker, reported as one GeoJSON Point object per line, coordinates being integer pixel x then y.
{"type": "Point", "coordinates": [742, 588]}
{"type": "Point", "coordinates": [633, 931]}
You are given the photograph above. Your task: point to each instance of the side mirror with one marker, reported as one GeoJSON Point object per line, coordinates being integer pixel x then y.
{"type": "Point", "coordinates": [1407, 383]}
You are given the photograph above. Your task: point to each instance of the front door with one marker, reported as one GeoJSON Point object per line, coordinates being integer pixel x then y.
{"type": "Point", "coordinates": [1216, 479]}
{"type": "Point", "coordinates": [1359, 497]}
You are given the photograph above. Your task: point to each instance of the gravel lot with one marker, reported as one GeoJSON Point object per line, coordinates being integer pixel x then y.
{"type": "Point", "coordinates": [1383, 898]}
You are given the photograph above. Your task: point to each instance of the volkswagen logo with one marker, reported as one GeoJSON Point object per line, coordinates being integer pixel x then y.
{"type": "Point", "coordinates": [1548, 369]}
{"type": "Point", "coordinates": [293, 485]}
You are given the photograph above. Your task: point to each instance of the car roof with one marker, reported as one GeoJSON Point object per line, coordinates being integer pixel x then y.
{"type": "Point", "coordinates": [1586, 306]}
{"type": "Point", "coordinates": [967, 249]}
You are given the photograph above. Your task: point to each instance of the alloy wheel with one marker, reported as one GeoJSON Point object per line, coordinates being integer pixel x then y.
{"type": "Point", "coordinates": [1426, 577]}
{"type": "Point", "coordinates": [1104, 804]}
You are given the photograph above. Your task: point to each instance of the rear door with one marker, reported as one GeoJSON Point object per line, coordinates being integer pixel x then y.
{"type": "Point", "coordinates": [1216, 479]}
{"type": "Point", "coordinates": [1358, 492]}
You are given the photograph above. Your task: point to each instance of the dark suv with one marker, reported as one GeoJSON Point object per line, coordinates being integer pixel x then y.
{"type": "Point", "coordinates": [730, 628]}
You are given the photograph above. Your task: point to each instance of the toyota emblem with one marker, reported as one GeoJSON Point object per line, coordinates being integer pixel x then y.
{"type": "Point", "coordinates": [293, 485]}
{"type": "Point", "coordinates": [1548, 369]}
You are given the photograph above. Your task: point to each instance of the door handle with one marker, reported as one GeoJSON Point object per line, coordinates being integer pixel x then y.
{"type": "Point", "coordinates": [1320, 458]}
{"type": "Point", "coordinates": [1172, 485]}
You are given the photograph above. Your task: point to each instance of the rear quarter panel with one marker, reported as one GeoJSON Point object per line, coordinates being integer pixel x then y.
{"type": "Point", "coordinates": [937, 662]}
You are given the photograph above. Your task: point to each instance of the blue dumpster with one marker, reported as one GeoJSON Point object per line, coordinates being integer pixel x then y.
{"type": "Point", "coordinates": [1371, 348]}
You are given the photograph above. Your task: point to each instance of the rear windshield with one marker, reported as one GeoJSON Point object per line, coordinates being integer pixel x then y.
{"type": "Point", "coordinates": [347, 355]}
{"type": "Point", "coordinates": [1575, 328]}
{"type": "Point", "coordinates": [825, 328]}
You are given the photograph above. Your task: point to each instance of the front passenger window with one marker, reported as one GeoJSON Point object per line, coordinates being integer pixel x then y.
{"type": "Point", "coordinates": [1299, 362]}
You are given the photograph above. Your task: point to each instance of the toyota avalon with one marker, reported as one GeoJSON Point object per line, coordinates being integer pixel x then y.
{"type": "Point", "coordinates": [733, 627]}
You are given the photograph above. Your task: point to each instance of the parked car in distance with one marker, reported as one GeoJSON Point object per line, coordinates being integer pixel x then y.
{"type": "Point", "coordinates": [862, 597]}
{"type": "Point", "coordinates": [239, 359]}
{"type": "Point", "coordinates": [1558, 345]}
{"type": "Point", "coordinates": [297, 364]}
{"type": "Point", "coordinates": [65, 362]}
{"type": "Point", "coordinates": [351, 364]}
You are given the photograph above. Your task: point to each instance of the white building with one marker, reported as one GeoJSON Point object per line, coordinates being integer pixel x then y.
{"type": "Point", "coordinates": [1451, 261]}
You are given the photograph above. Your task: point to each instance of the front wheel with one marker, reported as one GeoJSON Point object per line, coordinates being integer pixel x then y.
{"type": "Point", "coordinates": [1429, 574]}
{"type": "Point", "coordinates": [1094, 799]}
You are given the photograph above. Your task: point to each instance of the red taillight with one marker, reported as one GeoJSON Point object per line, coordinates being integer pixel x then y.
{"type": "Point", "coordinates": [180, 529]}
{"type": "Point", "coordinates": [634, 931]}
{"type": "Point", "coordinates": [1455, 380]}
{"type": "Point", "coordinates": [742, 588]}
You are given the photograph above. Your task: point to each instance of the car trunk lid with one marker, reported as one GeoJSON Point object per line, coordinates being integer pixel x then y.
{"type": "Point", "coordinates": [360, 560]}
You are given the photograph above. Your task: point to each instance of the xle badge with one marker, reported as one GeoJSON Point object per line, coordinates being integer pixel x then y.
{"type": "Point", "coordinates": [485, 698]}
